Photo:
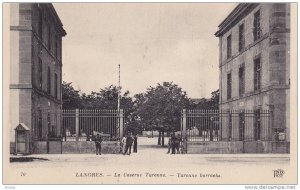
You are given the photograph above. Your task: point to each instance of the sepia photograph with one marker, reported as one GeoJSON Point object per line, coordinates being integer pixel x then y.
{"type": "Point", "coordinates": [150, 93]}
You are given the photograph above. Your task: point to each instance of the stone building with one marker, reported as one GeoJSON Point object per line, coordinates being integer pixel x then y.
{"type": "Point", "coordinates": [35, 69]}
{"type": "Point", "coordinates": [254, 62]}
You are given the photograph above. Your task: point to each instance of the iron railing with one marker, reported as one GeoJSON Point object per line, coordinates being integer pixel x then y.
{"type": "Point", "coordinates": [83, 125]}
{"type": "Point", "coordinates": [46, 124]}
{"type": "Point", "coordinates": [76, 124]}
{"type": "Point", "coordinates": [228, 125]}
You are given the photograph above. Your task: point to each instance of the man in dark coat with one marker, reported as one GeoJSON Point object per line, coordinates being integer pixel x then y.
{"type": "Point", "coordinates": [173, 143]}
{"type": "Point", "coordinates": [129, 141]}
{"type": "Point", "coordinates": [98, 142]}
{"type": "Point", "coordinates": [178, 144]}
{"type": "Point", "coordinates": [135, 144]}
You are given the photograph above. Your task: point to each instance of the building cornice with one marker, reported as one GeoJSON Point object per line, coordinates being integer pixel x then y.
{"type": "Point", "coordinates": [256, 92]}
{"type": "Point", "coordinates": [238, 13]}
{"type": "Point", "coordinates": [55, 17]}
{"type": "Point", "coordinates": [20, 86]}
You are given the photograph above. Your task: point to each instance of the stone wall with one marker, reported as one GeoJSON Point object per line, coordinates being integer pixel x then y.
{"type": "Point", "coordinates": [214, 147]}
{"type": "Point", "coordinates": [237, 147]}
{"type": "Point", "coordinates": [88, 147]}
{"type": "Point", "coordinates": [73, 147]}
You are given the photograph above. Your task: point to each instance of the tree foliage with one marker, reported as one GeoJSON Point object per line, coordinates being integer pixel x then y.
{"type": "Point", "coordinates": [208, 104]}
{"type": "Point", "coordinates": [160, 107]}
{"type": "Point", "coordinates": [71, 98]}
{"type": "Point", "coordinates": [106, 98]}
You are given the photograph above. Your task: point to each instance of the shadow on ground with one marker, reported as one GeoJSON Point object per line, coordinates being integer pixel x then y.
{"type": "Point", "coordinates": [26, 159]}
{"type": "Point", "coordinates": [152, 146]}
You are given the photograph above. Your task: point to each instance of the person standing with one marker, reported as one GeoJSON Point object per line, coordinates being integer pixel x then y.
{"type": "Point", "coordinates": [178, 143]}
{"type": "Point", "coordinates": [129, 141]}
{"type": "Point", "coordinates": [123, 145]}
{"type": "Point", "coordinates": [98, 142]}
{"type": "Point", "coordinates": [169, 145]}
{"type": "Point", "coordinates": [173, 143]}
{"type": "Point", "coordinates": [135, 144]}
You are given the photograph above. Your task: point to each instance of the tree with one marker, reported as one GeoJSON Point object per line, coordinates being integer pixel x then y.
{"type": "Point", "coordinates": [71, 98]}
{"type": "Point", "coordinates": [160, 108]}
{"type": "Point", "coordinates": [107, 98]}
{"type": "Point", "coordinates": [207, 104]}
{"type": "Point", "coordinates": [215, 99]}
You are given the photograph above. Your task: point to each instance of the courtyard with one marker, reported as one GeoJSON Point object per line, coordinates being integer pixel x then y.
{"type": "Point", "coordinates": [149, 156]}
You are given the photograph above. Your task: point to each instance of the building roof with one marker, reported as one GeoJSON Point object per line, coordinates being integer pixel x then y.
{"type": "Point", "coordinates": [238, 13]}
{"type": "Point", "coordinates": [56, 18]}
{"type": "Point", "coordinates": [22, 127]}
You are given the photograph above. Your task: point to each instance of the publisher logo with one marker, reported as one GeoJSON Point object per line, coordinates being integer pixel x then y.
{"type": "Point", "coordinates": [278, 173]}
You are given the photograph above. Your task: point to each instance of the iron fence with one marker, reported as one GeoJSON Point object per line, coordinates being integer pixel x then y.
{"type": "Point", "coordinates": [46, 124]}
{"type": "Point", "coordinates": [83, 125]}
{"type": "Point", "coordinates": [227, 125]}
{"type": "Point", "coordinates": [76, 124]}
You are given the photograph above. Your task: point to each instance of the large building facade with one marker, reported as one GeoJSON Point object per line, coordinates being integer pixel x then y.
{"type": "Point", "coordinates": [35, 69]}
{"type": "Point", "coordinates": [254, 44]}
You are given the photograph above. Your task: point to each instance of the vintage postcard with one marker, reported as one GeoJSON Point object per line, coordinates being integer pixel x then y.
{"type": "Point", "coordinates": [150, 93]}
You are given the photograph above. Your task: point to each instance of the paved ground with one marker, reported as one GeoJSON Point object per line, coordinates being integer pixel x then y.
{"type": "Point", "coordinates": [151, 155]}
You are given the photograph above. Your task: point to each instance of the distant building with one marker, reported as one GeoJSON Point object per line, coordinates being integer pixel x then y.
{"type": "Point", "coordinates": [254, 45]}
{"type": "Point", "coordinates": [35, 69]}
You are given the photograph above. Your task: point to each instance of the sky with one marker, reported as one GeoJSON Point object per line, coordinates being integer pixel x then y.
{"type": "Point", "coordinates": [152, 42]}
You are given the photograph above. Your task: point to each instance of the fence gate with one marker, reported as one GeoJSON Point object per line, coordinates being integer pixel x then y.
{"type": "Point", "coordinates": [225, 125]}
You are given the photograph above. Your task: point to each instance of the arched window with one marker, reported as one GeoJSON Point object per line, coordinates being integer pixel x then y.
{"type": "Point", "coordinates": [49, 81]}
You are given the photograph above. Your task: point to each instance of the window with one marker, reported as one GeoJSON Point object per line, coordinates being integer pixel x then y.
{"type": "Point", "coordinates": [228, 85]}
{"type": "Point", "coordinates": [229, 47]}
{"type": "Point", "coordinates": [256, 26]}
{"type": "Point", "coordinates": [230, 127]}
{"type": "Point", "coordinates": [40, 24]}
{"type": "Point", "coordinates": [49, 37]}
{"type": "Point", "coordinates": [40, 125]}
{"type": "Point", "coordinates": [40, 70]}
{"type": "Point", "coordinates": [242, 126]}
{"type": "Point", "coordinates": [56, 47]}
{"type": "Point", "coordinates": [49, 81]}
{"type": "Point", "coordinates": [257, 74]}
{"type": "Point", "coordinates": [242, 80]}
{"type": "Point", "coordinates": [48, 124]}
{"type": "Point", "coordinates": [257, 127]}
{"type": "Point", "coordinates": [241, 37]}
{"type": "Point", "coordinates": [56, 86]}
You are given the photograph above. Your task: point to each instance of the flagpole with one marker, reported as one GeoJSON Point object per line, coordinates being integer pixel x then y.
{"type": "Point", "coordinates": [119, 89]}
{"type": "Point", "coordinates": [118, 108]}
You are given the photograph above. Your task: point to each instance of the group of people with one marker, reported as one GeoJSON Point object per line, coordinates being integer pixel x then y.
{"type": "Point", "coordinates": [127, 142]}
{"type": "Point", "coordinates": [175, 144]}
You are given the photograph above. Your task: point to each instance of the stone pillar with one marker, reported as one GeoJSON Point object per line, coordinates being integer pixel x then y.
{"type": "Point", "coordinates": [77, 124]}
{"type": "Point", "coordinates": [121, 119]}
{"type": "Point", "coordinates": [183, 130]}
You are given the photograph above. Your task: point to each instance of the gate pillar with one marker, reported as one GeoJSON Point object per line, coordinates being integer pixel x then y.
{"type": "Point", "coordinates": [121, 127]}
{"type": "Point", "coordinates": [77, 124]}
{"type": "Point", "coordinates": [183, 130]}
